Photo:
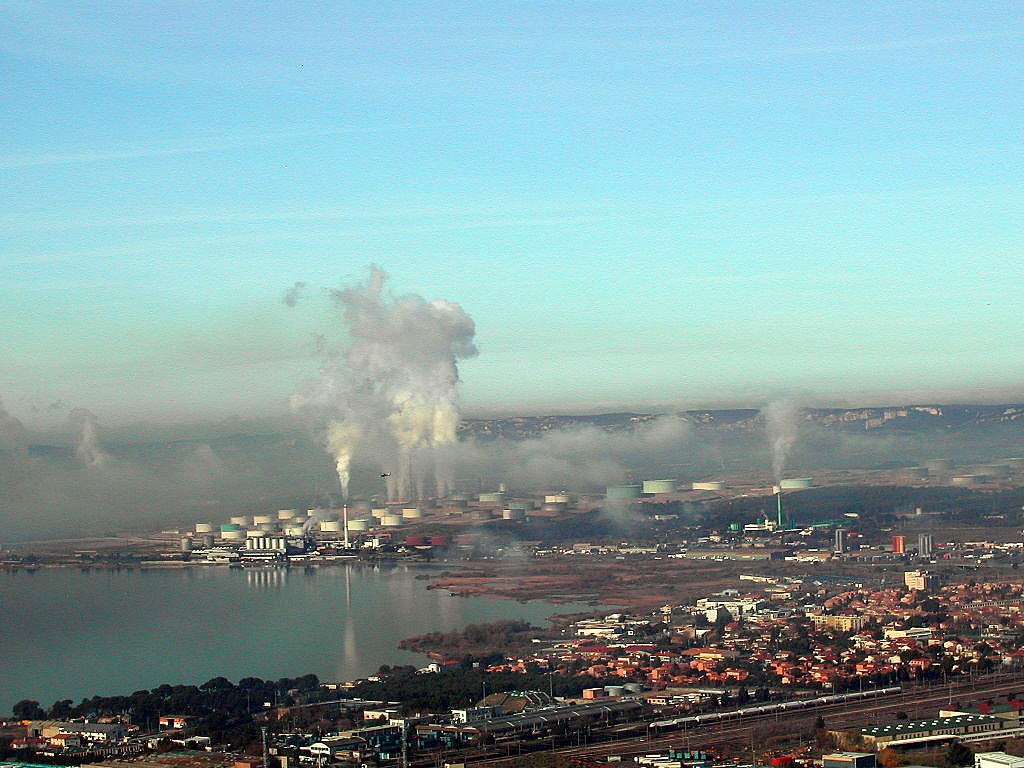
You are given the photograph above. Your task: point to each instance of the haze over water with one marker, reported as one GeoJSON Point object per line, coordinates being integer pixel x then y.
{"type": "Point", "coordinates": [76, 633]}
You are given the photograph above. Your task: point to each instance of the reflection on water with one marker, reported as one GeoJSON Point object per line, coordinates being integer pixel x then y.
{"type": "Point", "coordinates": [265, 578]}
{"type": "Point", "coordinates": [120, 631]}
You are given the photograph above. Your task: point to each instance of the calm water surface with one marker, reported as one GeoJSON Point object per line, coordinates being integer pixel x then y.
{"type": "Point", "coordinates": [70, 633]}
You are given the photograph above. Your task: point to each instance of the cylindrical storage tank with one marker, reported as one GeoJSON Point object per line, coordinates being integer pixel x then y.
{"type": "Point", "coordinates": [993, 470]}
{"type": "Point", "coordinates": [230, 527]}
{"type": "Point", "coordinates": [330, 526]}
{"type": "Point", "coordinates": [623, 492]}
{"type": "Point", "coordinates": [204, 527]}
{"type": "Point", "coordinates": [254, 533]}
{"type": "Point", "coordinates": [795, 483]}
{"type": "Point", "coordinates": [378, 512]}
{"type": "Point", "coordinates": [513, 514]}
{"type": "Point", "coordinates": [362, 508]}
{"type": "Point", "coordinates": [268, 527]}
{"type": "Point", "coordinates": [233, 535]}
{"type": "Point", "coordinates": [914, 473]}
{"type": "Point", "coordinates": [412, 513]}
{"type": "Point", "coordinates": [242, 521]}
{"type": "Point", "coordinates": [556, 498]}
{"type": "Point", "coordinates": [317, 513]}
{"type": "Point", "coordinates": [439, 541]}
{"type": "Point", "coordinates": [358, 525]}
{"type": "Point", "coordinates": [186, 543]}
{"type": "Point", "coordinates": [260, 519]}
{"type": "Point", "coordinates": [964, 480]}
{"type": "Point", "coordinates": [614, 690]}
{"type": "Point", "coordinates": [659, 486]}
{"type": "Point", "coordinates": [294, 530]}
{"type": "Point", "coordinates": [391, 521]}
{"type": "Point", "coordinates": [709, 485]}
{"type": "Point", "coordinates": [493, 497]}
{"type": "Point", "coordinates": [521, 504]}
{"type": "Point", "coordinates": [286, 514]}
{"type": "Point", "coordinates": [554, 506]}
{"type": "Point", "coordinates": [415, 541]}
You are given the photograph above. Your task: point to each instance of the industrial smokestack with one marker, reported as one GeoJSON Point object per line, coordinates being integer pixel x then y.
{"type": "Point", "coordinates": [395, 394]}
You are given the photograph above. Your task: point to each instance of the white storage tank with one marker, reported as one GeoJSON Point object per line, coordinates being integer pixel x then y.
{"type": "Point", "coordinates": [966, 480]}
{"type": "Point", "coordinates": [412, 513]}
{"type": "Point", "coordinates": [513, 514]}
{"type": "Point", "coordinates": [795, 483]}
{"type": "Point", "coordinates": [378, 512]}
{"type": "Point", "coordinates": [242, 521]}
{"type": "Point", "coordinates": [254, 533]}
{"type": "Point", "coordinates": [204, 527]}
{"type": "Point", "coordinates": [659, 486]}
{"type": "Point", "coordinates": [233, 535]}
{"type": "Point", "coordinates": [287, 514]}
{"type": "Point", "coordinates": [330, 526]}
{"type": "Point", "coordinates": [624, 492]}
{"type": "Point", "coordinates": [358, 525]}
{"type": "Point", "coordinates": [493, 497]}
{"type": "Point", "coordinates": [709, 485]}
{"type": "Point", "coordinates": [556, 498]}
{"type": "Point", "coordinates": [391, 521]}
{"type": "Point", "coordinates": [914, 473]}
{"type": "Point", "coordinates": [294, 530]}
{"type": "Point", "coordinates": [554, 506]}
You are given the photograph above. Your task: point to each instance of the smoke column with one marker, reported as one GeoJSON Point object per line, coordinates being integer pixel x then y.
{"type": "Point", "coordinates": [342, 440]}
{"type": "Point", "coordinates": [89, 451]}
{"type": "Point", "coordinates": [13, 436]}
{"type": "Point", "coordinates": [781, 421]}
{"type": "Point", "coordinates": [394, 393]}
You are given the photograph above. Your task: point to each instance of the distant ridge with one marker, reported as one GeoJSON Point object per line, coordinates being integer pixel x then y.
{"type": "Point", "coordinates": [911, 418]}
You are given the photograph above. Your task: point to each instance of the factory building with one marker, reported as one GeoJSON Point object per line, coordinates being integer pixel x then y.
{"type": "Point", "coordinates": [910, 732]}
{"type": "Point", "coordinates": [848, 760]}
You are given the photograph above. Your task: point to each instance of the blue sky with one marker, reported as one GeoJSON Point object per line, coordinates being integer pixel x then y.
{"type": "Point", "coordinates": [677, 203]}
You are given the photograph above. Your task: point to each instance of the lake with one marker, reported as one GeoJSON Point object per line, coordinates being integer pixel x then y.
{"type": "Point", "coordinates": [68, 633]}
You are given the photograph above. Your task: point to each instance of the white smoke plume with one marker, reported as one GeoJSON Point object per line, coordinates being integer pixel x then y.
{"type": "Point", "coordinates": [89, 451]}
{"type": "Point", "coordinates": [577, 458]}
{"type": "Point", "coordinates": [293, 294]}
{"type": "Point", "coordinates": [394, 393]}
{"type": "Point", "coordinates": [782, 423]}
{"type": "Point", "coordinates": [13, 436]}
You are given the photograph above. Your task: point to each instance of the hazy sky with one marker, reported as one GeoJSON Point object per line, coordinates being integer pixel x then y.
{"type": "Point", "coordinates": [675, 202]}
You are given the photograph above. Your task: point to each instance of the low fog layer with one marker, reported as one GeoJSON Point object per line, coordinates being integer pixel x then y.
{"type": "Point", "coordinates": [93, 482]}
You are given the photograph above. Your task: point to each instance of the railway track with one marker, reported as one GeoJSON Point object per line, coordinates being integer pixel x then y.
{"type": "Point", "coordinates": [917, 700]}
